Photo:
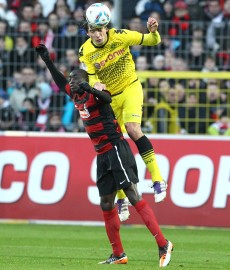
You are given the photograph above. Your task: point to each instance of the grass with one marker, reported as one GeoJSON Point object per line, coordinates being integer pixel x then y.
{"type": "Point", "coordinates": [54, 247]}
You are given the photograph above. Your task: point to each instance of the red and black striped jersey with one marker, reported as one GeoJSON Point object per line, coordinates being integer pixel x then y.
{"type": "Point", "coordinates": [98, 119]}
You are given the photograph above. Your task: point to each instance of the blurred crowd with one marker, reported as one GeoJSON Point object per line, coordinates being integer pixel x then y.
{"type": "Point", "coordinates": [195, 37]}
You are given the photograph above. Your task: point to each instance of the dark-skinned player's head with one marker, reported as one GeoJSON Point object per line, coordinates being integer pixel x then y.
{"type": "Point", "coordinates": [76, 77]}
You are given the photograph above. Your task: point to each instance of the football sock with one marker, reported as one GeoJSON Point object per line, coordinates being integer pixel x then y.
{"type": "Point", "coordinates": [121, 194]}
{"type": "Point", "coordinates": [147, 153]}
{"type": "Point", "coordinates": [147, 215]}
{"type": "Point", "coordinates": [112, 225]}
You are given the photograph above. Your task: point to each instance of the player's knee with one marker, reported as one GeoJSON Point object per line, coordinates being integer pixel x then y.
{"type": "Point", "coordinates": [106, 205]}
{"type": "Point", "coordinates": [134, 130]}
{"type": "Point", "coordinates": [133, 194]}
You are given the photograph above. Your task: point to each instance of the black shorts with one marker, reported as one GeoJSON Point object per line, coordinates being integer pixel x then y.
{"type": "Point", "coordinates": [116, 169]}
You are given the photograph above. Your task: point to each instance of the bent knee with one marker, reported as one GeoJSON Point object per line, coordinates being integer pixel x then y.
{"type": "Point", "coordinates": [106, 206]}
{"type": "Point", "coordinates": [134, 130]}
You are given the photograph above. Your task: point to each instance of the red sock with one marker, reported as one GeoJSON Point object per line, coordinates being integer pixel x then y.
{"type": "Point", "coordinates": [150, 221]}
{"type": "Point", "coordinates": [112, 225]}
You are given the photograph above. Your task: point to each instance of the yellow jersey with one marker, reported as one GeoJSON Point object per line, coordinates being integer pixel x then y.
{"type": "Point", "coordinates": [112, 63]}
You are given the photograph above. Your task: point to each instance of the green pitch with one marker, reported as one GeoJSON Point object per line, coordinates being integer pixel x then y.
{"type": "Point", "coordinates": [53, 247]}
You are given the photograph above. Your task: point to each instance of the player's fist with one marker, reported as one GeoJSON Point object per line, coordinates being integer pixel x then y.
{"type": "Point", "coordinates": [86, 87]}
{"type": "Point", "coordinates": [43, 52]}
{"type": "Point", "coordinates": [152, 25]}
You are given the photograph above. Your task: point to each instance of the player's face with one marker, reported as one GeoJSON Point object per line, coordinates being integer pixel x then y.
{"type": "Point", "coordinates": [74, 80]}
{"type": "Point", "coordinates": [98, 35]}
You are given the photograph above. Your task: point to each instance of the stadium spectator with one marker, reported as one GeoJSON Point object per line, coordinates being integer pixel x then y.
{"type": "Point", "coordinates": [38, 11]}
{"type": "Point", "coordinates": [64, 15]}
{"type": "Point", "coordinates": [142, 63]}
{"type": "Point", "coordinates": [165, 117]}
{"type": "Point", "coordinates": [128, 9]}
{"type": "Point", "coordinates": [168, 10]}
{"type": "Point", "coordinates": [179, 27]}
{"type": "Point", "coordinates": [158, 62]}
{"type": "Point", "coordinates": [27, 89]}
{"type": "Point", "coordinates": [4, 59]}
{"type": "Point", "coordinates": [53, 23]}
{"type": "Point", "coordinates": [71, 59]}
{"type": "Point", "coordinates": [4, 33]}
{"type": "Point", "coordinates": [7, 14]}
{"type": "Point", "coordinates": [198, 86]}
{"type": "Point", "coordinates": [54, 123]}
{"type": "Point", "coordinates": [7, 116]}
{"type": "Point", "coordinates": [196, 54]}
{"type": "Point", "coordinates": [145, 7]}
{"type": "Point", "coordinates": [180, 92]}
{"type": "Point", "coordinates": [120, 78]}
{"type": "Point", "coordinates": [22, 53]}
{"type": "Point", "coordinates": [212, 11]}
{"type": "Point", "coordinates": [43, 35]}
{"type": "Point", "coordinates": [179, 64]}
{"type": "Point", "coordinates": [218, 36]}
{"type": "Point", "coordinates": [215, 100]}
{"type": "Point", "coordinates": [78, 15]}
{"type": "Point", "coordinates": [25, 27]}
{"type": "Point", "coordinates": [70, 38]}
{"type": "Point", "coordinates": [50, 6]}
{"type": "Point", "coordinates": [190, 112]}
{"type": "Point", "coordinates": [26, 118]}
{"type": "Point", "coordinates": [195, 9]}
{"type": "Point", "coordinates": [26, 13]}
{"type": "Point", "coordinates": [209, 65]}
{"type": "Point", "coordinates": [220, 127]}
{"type": "Point", "coordinates": [43, 103]}
{"type": "Point", "coordinates": [14, 82]}
{"type": "Point", "coordinates": [136, 24]}
{"type": "Point", "coordinates": [96, 112]}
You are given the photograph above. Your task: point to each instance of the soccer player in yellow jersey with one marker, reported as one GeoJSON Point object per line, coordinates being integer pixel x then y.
{"type": "Point", "coordinates": [107, 59]}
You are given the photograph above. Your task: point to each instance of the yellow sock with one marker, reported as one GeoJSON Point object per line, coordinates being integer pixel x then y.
{"type": "Point", "coordinates": [121, 194]}
{"type": "Point", "coordinates": [150, 161]}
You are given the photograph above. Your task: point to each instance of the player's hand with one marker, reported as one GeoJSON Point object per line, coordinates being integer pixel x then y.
{"type": "Point", "coordinates": [86, 87]}
{"type": "Point", "coordinates": [99, 86]}
{"type": "Point", "coordinates": [152, 25]}
{"type": "Point", "coordinates": [43, 52]}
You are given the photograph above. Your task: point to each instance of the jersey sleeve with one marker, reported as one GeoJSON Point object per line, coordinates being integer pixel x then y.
{"type": "Point", "coordinates": [151, 39]}
{"type": "Point", "coordinates": [131, 38]}
{"type": "Point", "coordinates": [128, 37]}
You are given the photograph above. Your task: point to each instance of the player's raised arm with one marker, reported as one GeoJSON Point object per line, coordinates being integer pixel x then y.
{"type": "Point", "coordinates": [58, 77]}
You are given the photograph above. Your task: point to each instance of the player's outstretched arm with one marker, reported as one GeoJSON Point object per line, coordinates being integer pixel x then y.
{"type": "Point", "coordinates": [102, 95]}
{"type": "Point", "coordinates": [58, 77]}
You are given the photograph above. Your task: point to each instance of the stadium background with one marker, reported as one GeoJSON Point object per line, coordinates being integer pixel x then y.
{"type": "Point", "coordinates": [188, 73]}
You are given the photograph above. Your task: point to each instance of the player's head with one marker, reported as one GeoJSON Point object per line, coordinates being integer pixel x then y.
{"type": "Point", "coordinates": [76, 77]}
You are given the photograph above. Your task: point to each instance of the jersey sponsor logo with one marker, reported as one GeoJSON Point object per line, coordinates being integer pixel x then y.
{"type": "Point", "coordinates": [110, 57]}
{"type": "Point", "coordinates": [84, 113]}
{"type": "Point", "coordinates": [94, 56]}
{"type": "Point", "coordinates": [97, 65]}
{"type": "Point", "coordinates": [136, 115]}
{"type": "Point", "coordinates": [120, 31]}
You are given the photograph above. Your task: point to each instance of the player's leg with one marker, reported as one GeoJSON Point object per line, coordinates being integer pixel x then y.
{"type": "Point", "coordinates": [107, 191]}
{"type": "Point", "coordinates": [124, 167]}
{"type": "Point", "coordinates": [132, 115]}
{"type": "Point", "coordinates": [148, 217]}
{"type": "Point", "coordinates": [122, 200]}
